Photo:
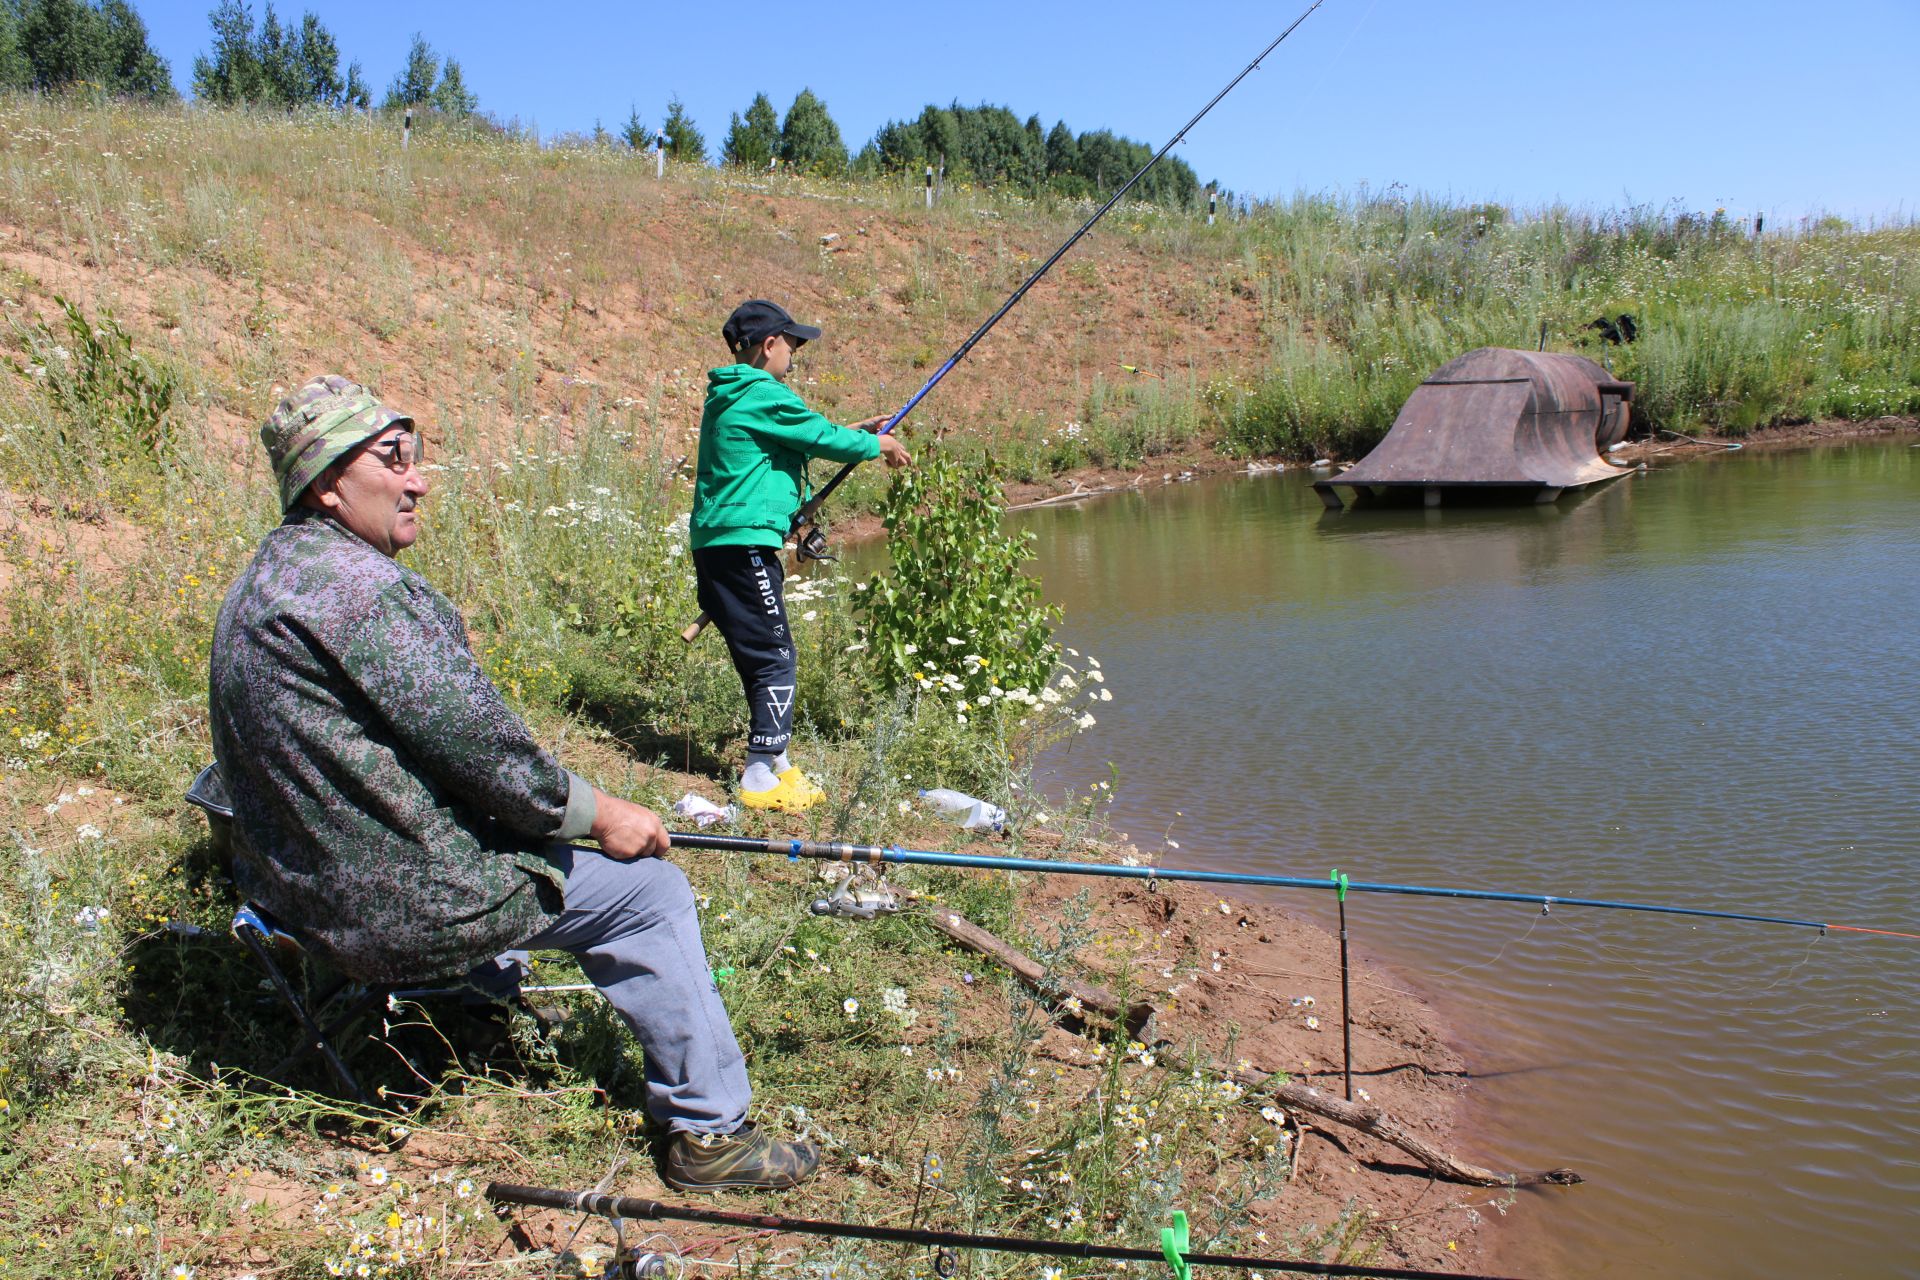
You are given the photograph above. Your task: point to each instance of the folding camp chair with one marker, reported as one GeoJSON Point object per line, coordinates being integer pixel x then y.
{"type": "Point", "coordinates": [332, 1010]}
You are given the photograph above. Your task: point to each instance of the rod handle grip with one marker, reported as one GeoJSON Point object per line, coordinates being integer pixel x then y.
{"type": "Point", "coordinates": [693, 629]}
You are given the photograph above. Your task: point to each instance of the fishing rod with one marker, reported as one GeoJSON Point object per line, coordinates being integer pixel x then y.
{"type": "Point", "coordinates": [812, 545]}
{"type": "Point", "coordinates": [836, 851]}
{"type": "Point", "coordinates": [1172, 1252]}
{"type": "Point", "coordinates": [806, 512]}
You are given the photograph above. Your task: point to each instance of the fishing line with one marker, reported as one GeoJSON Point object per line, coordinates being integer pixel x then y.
{"type": "Point", "coordinates": [1675, 977]}
{"type": "Point", "coordinates": [1328, 65]}
{"type": "Point", "coordinates": [605, 1181]}
{"type": "Point", "coordinates": [1580, 942]}
{"type": "Point", "coordinates": [1498, 955]}
{"type": "Point", "coordinates": [1798, 965]}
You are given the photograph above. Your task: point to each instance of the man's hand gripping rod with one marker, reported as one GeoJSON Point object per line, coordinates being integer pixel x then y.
{"type": "Point", "coordinates": [810, 545]}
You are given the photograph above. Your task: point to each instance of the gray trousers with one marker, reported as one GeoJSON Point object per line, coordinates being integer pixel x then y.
{"type": "Point", "coordinates": [635, 931]}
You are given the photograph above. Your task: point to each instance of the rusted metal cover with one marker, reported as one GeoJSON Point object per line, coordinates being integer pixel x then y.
{"type": "Point", "coordinates": [1497, 417]}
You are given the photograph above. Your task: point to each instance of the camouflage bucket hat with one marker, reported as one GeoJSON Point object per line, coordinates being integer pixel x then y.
{"type": "Point", "coordinates": [318, 423]}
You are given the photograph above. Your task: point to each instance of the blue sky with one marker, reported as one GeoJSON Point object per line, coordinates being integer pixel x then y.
{"type": "Point", "coordinates": [1786, 109]}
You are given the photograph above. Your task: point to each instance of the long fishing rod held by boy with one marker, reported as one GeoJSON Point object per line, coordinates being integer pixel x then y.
{"type": "Point", "coordinates": [811, 544]}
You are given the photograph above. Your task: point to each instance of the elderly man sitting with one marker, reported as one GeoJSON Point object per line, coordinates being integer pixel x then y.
{"type": "Point", "coordinates": [395, 811]}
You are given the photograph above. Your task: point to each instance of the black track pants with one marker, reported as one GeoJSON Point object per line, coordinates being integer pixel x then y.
{"type": "Point", "coordinates": [742, 590]}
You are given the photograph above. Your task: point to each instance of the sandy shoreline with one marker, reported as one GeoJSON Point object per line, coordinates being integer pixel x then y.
{"type": "Point", "coordinates": [1230, 968]}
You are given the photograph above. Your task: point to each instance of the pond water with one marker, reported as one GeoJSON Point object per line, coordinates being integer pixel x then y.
{"type": "Point", "coordinates": [1694, 686]}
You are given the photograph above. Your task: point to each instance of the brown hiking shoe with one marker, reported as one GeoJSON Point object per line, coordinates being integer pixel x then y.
{"type": "Point", "coordinates": [746, 1158]}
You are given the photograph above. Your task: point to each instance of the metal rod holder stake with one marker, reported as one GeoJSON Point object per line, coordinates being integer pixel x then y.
{"type": "Point", "coordinates": [1346, 1003]}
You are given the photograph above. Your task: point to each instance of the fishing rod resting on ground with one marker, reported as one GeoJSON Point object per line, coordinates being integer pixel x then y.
{"type": "Point", "coordinates": [835, 851]}
{"type": "Point", "coordinates": [1173, 1251]}
{"type": "Point", "coordinates": [812, 545]}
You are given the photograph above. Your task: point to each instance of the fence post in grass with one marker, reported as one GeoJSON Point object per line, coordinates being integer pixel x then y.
{"type": "Point", "coordinates": [660, 153]}
{"type": "Point", "coordinates": [929, 186]}
{"type": "Point", "coordinates": [1212, 204]}
{"type": "Point", "coordinates": [406, 128]}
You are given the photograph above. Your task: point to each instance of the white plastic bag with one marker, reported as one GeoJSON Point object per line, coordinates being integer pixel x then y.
{"type": "Point", "coordinates": [703, 811]}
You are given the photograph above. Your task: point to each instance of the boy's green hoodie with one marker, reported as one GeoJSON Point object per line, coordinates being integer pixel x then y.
{"type": "Point", "coordinates": [755, 439]}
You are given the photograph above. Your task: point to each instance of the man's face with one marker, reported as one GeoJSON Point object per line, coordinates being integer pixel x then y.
{"type": "Point", "coordinates": [375, 489]}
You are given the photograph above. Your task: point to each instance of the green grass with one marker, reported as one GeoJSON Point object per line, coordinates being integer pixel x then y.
{"type": "Point", "coordinates": [1367, 296]}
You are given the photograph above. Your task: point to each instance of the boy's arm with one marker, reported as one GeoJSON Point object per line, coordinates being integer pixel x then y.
{"type": "Point", "coordinates": [781, 415]}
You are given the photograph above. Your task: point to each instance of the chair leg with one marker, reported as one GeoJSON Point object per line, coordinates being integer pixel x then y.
{"type": "Point", "coordinates": [317, 1038]}
{"type": "Point", "coordinates": [362, 1000]}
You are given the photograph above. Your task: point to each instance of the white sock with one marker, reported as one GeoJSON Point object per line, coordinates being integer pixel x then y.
{"type": "Point", "coordinates": [780, 763]}
{"type": "Point", "coordinates": [760, 774]}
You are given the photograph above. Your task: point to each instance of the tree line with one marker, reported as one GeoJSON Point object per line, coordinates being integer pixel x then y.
{"type": "Point", "coordinates": [992, 146]}
{"type": "Point", "coordinates": [102, 44]}
{"type": "Point", "coordinates": [986, 144]}
{"type": "Point", "coordinates": [48, 45]}
{"type": "Point", "coordinates": [281, 65]}
{"type": "Point", "coordinates": [54, 45]}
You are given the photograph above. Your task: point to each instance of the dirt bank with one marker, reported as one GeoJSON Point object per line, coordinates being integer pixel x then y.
{"type": "Point", "coordinates": [1786, 436]}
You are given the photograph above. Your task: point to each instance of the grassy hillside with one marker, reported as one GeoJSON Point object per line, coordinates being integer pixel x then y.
{"type": "Point", "coordinates": [550, 315]}
{"type": "Point", "coordinates": [489, 282]}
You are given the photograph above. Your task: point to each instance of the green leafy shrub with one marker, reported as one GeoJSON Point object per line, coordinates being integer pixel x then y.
{"type": "Point", "coordinates": [957, 610]}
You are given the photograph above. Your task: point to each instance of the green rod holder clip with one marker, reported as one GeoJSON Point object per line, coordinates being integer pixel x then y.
{"type": "Point", "coordinates": [1173, 1243]}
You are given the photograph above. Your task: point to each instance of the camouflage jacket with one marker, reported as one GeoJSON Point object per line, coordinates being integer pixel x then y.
{"type": "Point", "coordinates": [391, 808]}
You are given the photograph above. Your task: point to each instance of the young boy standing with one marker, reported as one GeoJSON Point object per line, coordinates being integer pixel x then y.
{"type": "Point", "coordinates": [755, 439]}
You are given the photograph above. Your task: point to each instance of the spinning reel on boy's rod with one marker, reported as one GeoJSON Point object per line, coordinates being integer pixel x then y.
{"type": "Point", "coordinates": [811, 544]}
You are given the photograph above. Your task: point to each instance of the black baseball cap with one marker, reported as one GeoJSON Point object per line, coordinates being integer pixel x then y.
{"type": "Point", "coordinates": [756, 320]}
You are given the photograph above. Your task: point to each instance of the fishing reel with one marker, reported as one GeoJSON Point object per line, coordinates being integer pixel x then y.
{"type": "Point", "coordinates": [654, 1258]}
{"type": "Point", "coordinates": [640, 1264]}
{"type": "Point", "coordinates": [812, 545]}
{"type": "Point", "coordinates": [847, 901]}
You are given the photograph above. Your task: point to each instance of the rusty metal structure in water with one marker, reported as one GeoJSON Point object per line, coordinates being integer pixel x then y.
{"type": "Point", "coordinates": [1496, 422]}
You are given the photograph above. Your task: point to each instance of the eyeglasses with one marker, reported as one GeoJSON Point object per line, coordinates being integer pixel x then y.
{"type": "Point", "coordinates": [399, 453]}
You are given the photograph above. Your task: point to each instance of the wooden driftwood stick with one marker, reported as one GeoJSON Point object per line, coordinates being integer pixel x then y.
{"type": "Point", "coordinates": [1376, 1123]}
{"type": "Point", "coordinates": [1369, 1120]}
{"type": "Point", "coordinates": [1097, 1001]}
{"type": "Point", "coordinates": [1373, 1122]}
{"type": "Point", "coordinates": [1074, 495]}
